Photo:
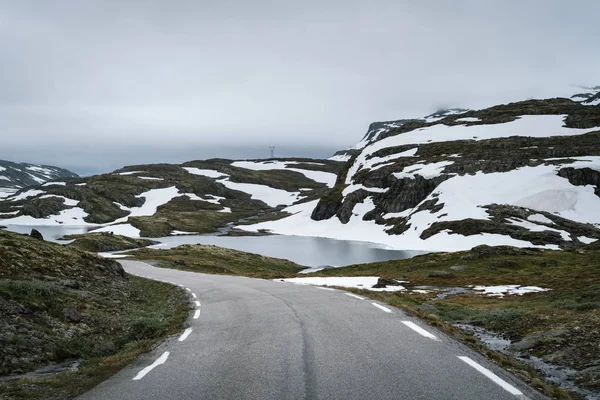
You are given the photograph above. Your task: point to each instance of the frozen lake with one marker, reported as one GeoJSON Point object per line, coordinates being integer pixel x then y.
{"type": "Point", "coordinates": [304, 250]}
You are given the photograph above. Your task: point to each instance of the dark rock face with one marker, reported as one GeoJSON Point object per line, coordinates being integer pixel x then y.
{"type": "Point", "coordinates": [582, 177]}
{"type": "Point", "coordinates": [36, 234]}
{"type": "Point", "coordinates": [118, 268]}
{"type": "Point", "coordinates": [42, 208]}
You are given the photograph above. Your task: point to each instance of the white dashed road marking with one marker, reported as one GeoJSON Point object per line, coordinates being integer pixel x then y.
{"type": "Point", "coordinates": [196, 314]}
{"type": "Point", "coordinates": [197, 303]}
{"type": "Point", "coordinates": [419, 330]}
{"type": "Point", "coordinates": [382, 307]}
{"type": "Point", "coordinates": [494, 378]}
{"type": "Point", "coordinates": [188, 289]}
{"type": "Point", "coordinates": [194, 295]}
{"type": "Point", "coordinates": [159, 361]}
{"type": "Point", "coordinates": [185, 334]}
{"type": "Point", "coordinates": [355, 296]}
{"type": "Point", "coordinates": [324, 288]}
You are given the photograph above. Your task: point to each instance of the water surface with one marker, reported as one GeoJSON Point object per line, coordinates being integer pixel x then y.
{"type": "Point", "coordinates": [304, 250]}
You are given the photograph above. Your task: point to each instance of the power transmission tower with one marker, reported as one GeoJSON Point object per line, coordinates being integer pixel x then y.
{"type": "Point", "coordinates": [272, 148]}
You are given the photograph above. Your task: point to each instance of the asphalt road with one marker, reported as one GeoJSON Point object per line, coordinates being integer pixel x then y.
{"type": "Point", "coordinates": [258, 339]}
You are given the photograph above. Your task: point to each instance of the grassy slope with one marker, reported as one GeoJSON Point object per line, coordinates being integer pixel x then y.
{"type": "Point", "coordinates": [568, 312]}
{"type": "Point", "coordinates": [59, 303]}
{"type": "Point", "coordinates": [219, 260]}
{"type": "Point", "coordinates": [99, 242]}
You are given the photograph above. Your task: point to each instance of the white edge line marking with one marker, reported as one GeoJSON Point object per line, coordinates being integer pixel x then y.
{"type": "Point", "coordinates": [160, 360]}
{"type": "Point", "coordinates": [354, 295]}
{"type": "Point", "coordinates": [196, 314]}
{"type": "Point", "coordinates": [197, 303]}
{"type": "Point", "coordinates": [180, 285]}
{"type": "Point", "coordinates": [185, 334]}
{"type": "Point", "coordinates": [420, 330]}
{"type": "Point", "coordinates": [323, 288]}
{"type": "Point", "coordinates": [194, 295]}
{"type": "Point", "coordinates": [382, 307]}
{"type": "Point", "coordinates": [188, 289]}
{"type": "Point", "coordinates": [493, 377]}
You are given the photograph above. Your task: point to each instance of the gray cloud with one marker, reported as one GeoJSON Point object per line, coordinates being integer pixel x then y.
{"type": "Point", "coordinates": [148, 80]}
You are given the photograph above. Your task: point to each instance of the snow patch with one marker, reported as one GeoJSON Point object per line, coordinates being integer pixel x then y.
{"type": "Point", "coordinates": [27, 194]}
{"type": "Point", "coordinates": [130, 172]}
{"type": "Point", "coordinates": [586, 240]}
{"type": "Point", "coordinates": [356, 282]}
{"type": "Point", "coordinates": [540, 218]}
{"type": "Point", "coordinates": [268, 195]}
{"type": "Point", "coordinates": [54, 184]}
{"type": "Point", "coordinates": [501, 290]}
{"type": "Point", "coordinates": [210, 173]}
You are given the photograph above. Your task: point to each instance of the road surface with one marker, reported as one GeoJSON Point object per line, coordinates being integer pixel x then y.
{"type": "Point", "coordinates": [258, 339]}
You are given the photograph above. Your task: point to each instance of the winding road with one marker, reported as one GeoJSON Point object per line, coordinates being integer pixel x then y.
{"type": "Point", "coordinates": [258, 339]}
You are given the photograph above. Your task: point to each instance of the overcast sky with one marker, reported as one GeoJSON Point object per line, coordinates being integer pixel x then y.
{"type": "Point", "coordinates": [95, 85]}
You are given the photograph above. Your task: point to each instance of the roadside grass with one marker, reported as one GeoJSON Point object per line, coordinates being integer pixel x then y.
{"type": "Point", "coordinates": [153, 311]}
{"type": "Point", "coordinates": [219, 260]}
{"type": "Point", "coordinates": [60, 305]}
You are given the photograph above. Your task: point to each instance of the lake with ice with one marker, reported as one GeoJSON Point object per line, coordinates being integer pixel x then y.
{"type": "Point", "coordinates": [304, 250]}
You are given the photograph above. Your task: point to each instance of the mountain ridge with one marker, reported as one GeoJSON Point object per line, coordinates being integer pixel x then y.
{"type": "Point", "coordinates": [18, 175]}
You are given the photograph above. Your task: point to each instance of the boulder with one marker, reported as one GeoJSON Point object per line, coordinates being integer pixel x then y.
{"type": "Point", "coordinates": [36, 234]}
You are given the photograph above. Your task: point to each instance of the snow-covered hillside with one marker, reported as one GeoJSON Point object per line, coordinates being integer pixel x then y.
{"type": "Point", "coordinates": [15, 176]}
{"type": "Point", "coordinates": [522, 174]}
{"type": "Point", "coordinates": [163, 199]}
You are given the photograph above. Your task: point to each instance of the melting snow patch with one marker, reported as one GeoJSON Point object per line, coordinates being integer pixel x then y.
{"type": "Point", "coordinates": [500, 291]}
{"type": "Point", "coordinates": [268, 195]}
{"type": "Point", "coordinates": [427, 171]}
{"type": "Point", "coordinates": [150, 178]}
{"type": "Point", "coordinates": [176, 233]}
{"type": "Point", "coordinates": [586, 240]}
{"type": "Point", "coordinates": [540, 218]}
{"type": "Point", "coordinates": [468, 119]}
{"type": "Point", "coordinates": [54, 184]}
{"type": "Point", "coordinates": [130, 172]}
{"type": "Point", "coordinates": [29, 193]}
{"type": "Point", "coordinates": [357, 282]}
{"type": "Point", "coordinates": [210, 173]}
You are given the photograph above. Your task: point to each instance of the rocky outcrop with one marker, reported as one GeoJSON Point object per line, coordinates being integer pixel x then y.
{"type": "Point", "coordinates": [582, 177]}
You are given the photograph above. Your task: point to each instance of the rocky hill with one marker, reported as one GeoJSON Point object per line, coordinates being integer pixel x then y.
{"type": "Point", "coordinates": [521, 174]}
{"type": "Point", "coordinates": [69, 319]}
{"type": "Point", "coordinates": [15, 176]}
{"type": "Point", "coordinates": [161, 199]}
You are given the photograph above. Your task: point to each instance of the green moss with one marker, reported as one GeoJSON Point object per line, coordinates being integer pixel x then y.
{"type": "Point", "coordinates": [103, 241]}
{"type": "Point", "coordinates": [218, 260]}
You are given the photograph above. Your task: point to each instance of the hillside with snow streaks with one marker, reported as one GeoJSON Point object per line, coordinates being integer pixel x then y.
{"type": "Point", "coordinates": [522, 174]}
{"type": "Point", "coordinates": [15, 176]}
{"type": "Point", "coordinates": [162, 199]}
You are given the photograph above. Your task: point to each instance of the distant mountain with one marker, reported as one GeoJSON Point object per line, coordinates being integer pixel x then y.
{"type": "Point", "coordinates": [380, 130]}
{"type": "Point", "coordinates": [15, 176]}
{"type": "Point", "coordinates": [589, 96]}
